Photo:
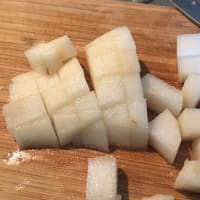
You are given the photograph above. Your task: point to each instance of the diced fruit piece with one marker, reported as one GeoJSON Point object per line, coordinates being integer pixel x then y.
{"type": "Point", "coordinates": [133, 87]}
{"type": "Point", "coordinates": [78, 141]}
{"type": "Point", "coordinates": [188, 55]}
{"type": "Point", "coordinates": [102, 178]}
{"type": "Point", "coordinates": [165, 136]}
{"type": "Point", "coordinates": [67, 124]}
{"type": "Point", "coordinates": [160, 95]}
{"type": "Point", "coordinates": [73, 78]}
{"type": "Point", "coordinates": [62, 99]}
{"type": "Point", "coordinates": [88, 109]}
{"type": "Point", "coordinates": [64, 47]}
{"type": "Point", "coordinates": [22, 89]}
{"type": "Point", "coordinates": [117, 122]}
{"type": "Point", "coordinates": [28, 123]}
{"type": "Point", "coordinates": [191, 91]}
{"type": "Point", "coordinates": [139, 128]}
{"type": "Point", "coordinates": [196, 149]}
{"type": "Point", "coordinates": [159, 197]}
{"type": "Point", "coordinates": [188, 178]}
{"type": "Point", "coordinates": [109, 90]}
{"type": "Point", "coordinates": [189, 123]}
{"type": "Point", "coordinates": [95, 136]}
{"type": "Point", "coordinates": [27, 76]}
{"type": "Point", "coordinates": [46, 82]}
{"type": "Point", "coordinates": [118, 197]}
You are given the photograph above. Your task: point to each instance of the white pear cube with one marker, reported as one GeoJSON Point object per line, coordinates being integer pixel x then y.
{"type": "Point", "coordinates": [64, 47]}
{"type": "Point", "coordinates": [88, 109]}
{"type": "Point", "coordinates": [160, 95]}
{"type": "Point", "coordinates": [22, 89]}
{"type": "Point", "coordinates": [28, 123]}
{"type": "Point", "coordinates": [109, 91]}
{"type": "Point", "coordinates": [165, 136]}
{"type": "Point", "coordinates": [78, 141]}
{"type": "Point", "coordinates": [138, 124]}
{"type": "Point", "coordinates": [67, 124]}
{"type": "Point", "coordinates": [46, 82]}
{"type": "Point", "coordinates": [159, 197]}
{"type": "Point", "coordinates": [102, 178]}
{"type": "Point", "coordinates": [188, 55]}
{"type": "Point", "coordinates": [133, 86]}
{"type": "Point", "coordinates": [117, 122]}
{"type": "Point", "coordinates": [95, 136]}
{"type": "Point", "coordinates": [196, 149]}
{"type": "Point", "coordinates": [27, 76]}
{"type": "Point", "coordinates": [73, 78]}
{"type": "Point", "coordinates": [55, 98]}
{"type": "Point", "coordinates": [189, 123]}
{"type": "Point", "coordinates": [188, 178]}
{"type": "Point", "coordinates": [191, 91]}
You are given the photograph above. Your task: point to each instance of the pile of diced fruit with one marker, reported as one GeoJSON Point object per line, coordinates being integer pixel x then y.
{"type": "Point", "coordinates": [53, 106]}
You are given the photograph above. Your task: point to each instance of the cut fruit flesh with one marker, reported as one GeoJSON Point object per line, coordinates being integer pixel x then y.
{"type": "Point", "coordinates": [27, 76]}
{"type": "Point", "coordinates": [196, 149]}
{"type": "Point", "coordinates": [159, 197]}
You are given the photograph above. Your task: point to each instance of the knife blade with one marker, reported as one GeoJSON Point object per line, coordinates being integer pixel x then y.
{"type": "Point", "coordinates": [190, 8]}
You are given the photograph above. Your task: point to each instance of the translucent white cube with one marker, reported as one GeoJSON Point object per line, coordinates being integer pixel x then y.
{"type": "Point", "coordinates": [196, 149]}
{"type": "Point", "coordinates": [109, 91]}
{"type": "Point", "coordinates": [102, 178]}
{"type": "Point", "coordinates": [139, 126]}
{"type": "Point", "coordinates": [159, 197]}
{"type": "Point", "coordinates": [189, 123]}
{"type": "Point", "coordinates": [27, 76]}
{"type": "Point", "coordinates": [117, 122]}
{"type": "Point", "coordinates": [165, 136]}
{"type": "Point", "coordinates": [160, 95]}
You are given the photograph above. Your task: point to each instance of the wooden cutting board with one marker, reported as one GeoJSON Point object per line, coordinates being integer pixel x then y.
{"type": "Point", "coordinates": [54, 174]}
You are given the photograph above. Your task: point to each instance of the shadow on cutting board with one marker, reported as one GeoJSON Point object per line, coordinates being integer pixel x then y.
{"type": "Point", "coordinates": [123, 185]}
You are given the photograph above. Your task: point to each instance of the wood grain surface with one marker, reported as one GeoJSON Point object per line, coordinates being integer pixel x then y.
{"type": "Point", "coordinates": [54, 174]}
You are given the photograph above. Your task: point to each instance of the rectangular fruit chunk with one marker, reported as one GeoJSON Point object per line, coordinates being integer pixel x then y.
{"type": "Point", "coordinates": [196, 149]}
{"type": "Point", "coordinates": [22, 89]}
{"type": "Point", "coordinates": [132, 86]}
{"type": "Point", "coordinates": [165, 136]}
{"type": "Point", "coordinates": [73, 78]}
{"type": "Point", "coordinates": [28, 123]}
{"type": "Point", "coordinates": [139, 127]}
{"type": "Point", "coordinates": [189, 123]}
{"type": "Point", "coordinates": [67, 124]}
{"type": "Point", "coordinates": [27, 76]}
{"type": "Point", "coordinates": [188, 178]}
{"type": "Point", "coordinates": [160, 95]}
{"type": "Point", "coordinates": [102, 178]}
{"type": "Point", "coordinates": [109, 91]}
{"type": "Point", "coordinates": [88, 109]}
{"type": "Point", "coordinates": [159, 197]}
{"type": "Point", "coordinates": [191, 91]}
{"type": "Point", "coordinates": [188, 55]}
{"type": "Point", "coordinates": [117, 122]}
{"type": "Point", "coordinates": [95, 136]}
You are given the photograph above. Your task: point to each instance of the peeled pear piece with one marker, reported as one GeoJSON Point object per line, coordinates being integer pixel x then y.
{"type": "Point", "coordinates": [159, 197]}
{"type": "Point", "coordinates": [139, 127]}
{"type": "Point", "coordinates": [28, 123]}
{"type": "Point", "coordinates": [161, 96]}
{"type": "Point", "coordinates": [188, 178]}
{"type": "Point", "coordinates": [189, 124]}
{"type": "Point", "coordinates": [102, 178]}
{"type": "Point", "coordinates": [73, 78]}
{"type": "Point", "coordinates": [95, 136]}
{"type": "Point", "coordinates": [27, 76]}
{"type": "Point", "coordinates": [67, 124]}
{"type": "Point", "coordinates": [133, 87]}
{"type": "Point", "coordinates": [196, 149]}
{"type": "Point", "coordinates": [188, 55]}
{"type": "Point", "coordinates": [22, 89]}
{"type": "Point", "coordinates": [191, 91]}
{"type": "Point", "coordinates": [165, 136]}
{"type": "Point", "coordinates": [117, 122]}
{"type": "Point", "coordinates": [109, 91]}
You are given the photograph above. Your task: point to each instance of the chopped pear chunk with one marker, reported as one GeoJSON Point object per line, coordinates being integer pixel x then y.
{"type": "Point", "coordinates": [160, 95]}
{"type": "Point", "coordinates": [159, 197]}
{"type": "Point", "coordinates": [188, 178]}
{"type": "Point", "coordinates": [165, 136]}
{"type": "Point", "coordinates": [102, 178]}
{"type": "Point", "coordinates": [27, 76]}
{"type": "Point", "coordinates": [196, 149]}
{"type": "Point", "coordinates": [189, 123]}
